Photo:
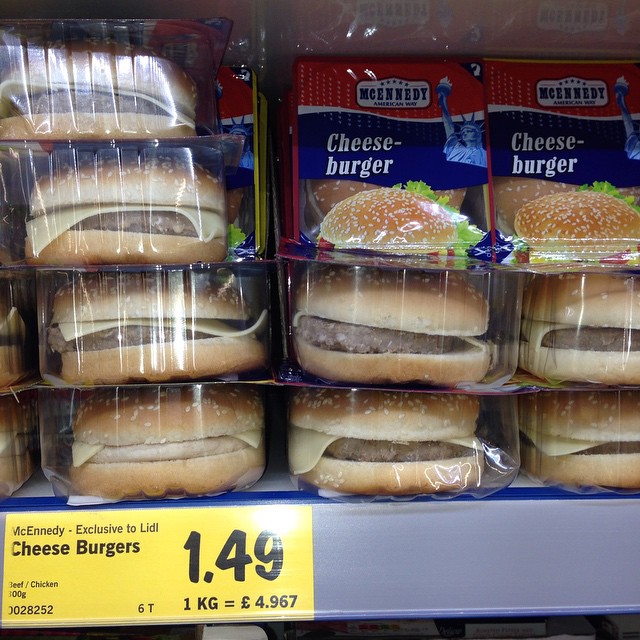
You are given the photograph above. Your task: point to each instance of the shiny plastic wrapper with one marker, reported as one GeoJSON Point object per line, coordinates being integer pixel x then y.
{"type": "Point", "coordinates": [152, 441]}
{"type": "Point", "coordinates": [18, 328]}
{"type": "Point", "coordinates": [115, 327]}
{"type": "Point", "coordinates": [582, 440]}
{"type": "Point", "coordinates": [109, 79]}
{"type": "Point", "coordinates": [18, 439]}
{"type": "Point", "coordinates": [582, 327]}
{"type": "Point", "coordinates": [128, 204]}
{"type": "Point", "coordinates": [404, 326]}
{"type": "Point", "coordinates": [375, 443]}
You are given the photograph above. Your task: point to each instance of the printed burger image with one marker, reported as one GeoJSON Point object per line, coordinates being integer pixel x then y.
{"type": "Point", "coordinates": [389, 155]}
{"type": "Point", "coordinates": [564, 152]}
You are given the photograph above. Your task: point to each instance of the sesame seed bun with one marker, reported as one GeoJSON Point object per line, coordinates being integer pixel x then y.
{"type": "Point", "coordinates": [510, 194]}
{"type": "Point", "coordinates": [578, 221]}
{"type": "Point", "coordinates": [582, 438]}
{"type": "Point", "coordinates": [154, 96]}
{"type": "Point", "coordinates": [159, 441]}
{"type": "Point", "coordinates": [410, 307]}
{"type": "Point", "coordinates": [388, 218]}
{"type": "Point", "coordinates": [164, 209]}
{"type": "Point", "coordinates": [582, 327]}
{"type": "Point", "coordinates": [384, 443]}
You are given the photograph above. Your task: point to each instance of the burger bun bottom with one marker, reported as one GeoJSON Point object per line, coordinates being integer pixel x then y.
{"type": "Point", "coordinates": [93, 246]}
{"type": "Point", "coordinates": [402, 478]}
{"type": "Point", "coordinates": [204, 475]}
{"type": "Point", "coordinates": [621, 471]}
{"type": "Point", "coordinates": [581, 366]}
{"type": "Point", "coordinates": [437, 369]}
{"type": "Point", "coordinates": [221, 356]}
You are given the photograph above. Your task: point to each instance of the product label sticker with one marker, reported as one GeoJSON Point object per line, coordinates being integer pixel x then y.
{"type": "Point", "coordinates": [565, 158]}
{"type": "Point", "coordinates": [366, 127]}
{"type": "Point", "coordinates": [157, 565]}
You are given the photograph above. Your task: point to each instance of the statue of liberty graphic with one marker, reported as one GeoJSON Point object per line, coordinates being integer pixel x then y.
{"type": "Point", "coordinates": [632, 145]}
{"type": "Point", "coordinates": [464, 141]}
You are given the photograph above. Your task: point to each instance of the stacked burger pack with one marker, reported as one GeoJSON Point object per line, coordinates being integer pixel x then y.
{"type": "Point", "coordinates": [401, 337]}
{"type": "Point", "coordinates": [152, 332]}
{"type": "Point", "coordinates": [565, 176]}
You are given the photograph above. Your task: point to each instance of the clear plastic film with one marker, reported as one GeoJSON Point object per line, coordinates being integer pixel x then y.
{"type": "Point", "coordinates": [109, 79]}
{"type": "Point", "coordinates": [582, 328]}
{"type": "Point", "coordinates": [396, 325]}
{"type": "Point", "coordinates": [138, 442]}
{"type": "Point", "coordinates": [18, 439]}
{"type": "Point", "coordinates": [18, 329]}
{"type": "Point", "coordinates": [114, 327]}
{"type": "Point", "coordinates": [582, 440]}
{"type": "Point", "coordinates": [351, 443]}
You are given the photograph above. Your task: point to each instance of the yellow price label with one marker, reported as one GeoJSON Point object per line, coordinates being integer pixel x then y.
{"type": "Point", "coordinates": [158, 565]}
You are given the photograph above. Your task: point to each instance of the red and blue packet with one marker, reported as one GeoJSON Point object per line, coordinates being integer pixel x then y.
{"type": "Point", "coordinates": [565, 159]}
{"type": "Point", "coordinates": [389, 156]}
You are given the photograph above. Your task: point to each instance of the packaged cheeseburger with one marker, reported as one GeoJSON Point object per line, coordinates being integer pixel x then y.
{"type": "Point", "coordinates": [368, 442]}
{"type": "Point", "coordinates": [114, 327]}
{"type": "Point", "coordinates": [582, 440]}
{"type": "Point", "coordinates": [582, 327]}
{"type": "Point", "coordinates": [389, 155]}
{"type": "Point", "coordinates": [126, 204]}
{"type": "Point", "coordinates": [403, 325]}
{"type": "Point", "coordinates": [137, 442]}
{"type": "Point", "coordinates": [110, 79]}
{"type": "Point", "coordinates": [565, 149]}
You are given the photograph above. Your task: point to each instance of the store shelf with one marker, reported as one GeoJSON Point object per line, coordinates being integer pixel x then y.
{"type": "Point", "coordinates": [526, 550]}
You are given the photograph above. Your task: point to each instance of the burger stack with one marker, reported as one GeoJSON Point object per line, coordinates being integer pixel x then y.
{"type": "Point", "coordinates": [399, 341]}
{"type": "Point", "coordinates": [565, 184]}
{"type": "Point", "coordinates": [149, 336]}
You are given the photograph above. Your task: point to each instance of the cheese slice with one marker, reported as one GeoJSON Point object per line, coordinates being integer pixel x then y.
{"type": "Point", "coordinates": [44, 229]}
{"type": "Point", "coordinates": [82, 452]}
{"type": "Point", "coordinates": [217, 328]}
{"type": "Point", "coordinates": [13, 326]}
{"type": "Point", "coordinates": [306, 447]}
{"type": "Point", "coordinates": [557, 445]}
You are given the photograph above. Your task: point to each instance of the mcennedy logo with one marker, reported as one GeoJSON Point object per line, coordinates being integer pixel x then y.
{"type": "Point", "coordinates": [393, 93]}
{"type": "Point", "coordinates": [572, 92]}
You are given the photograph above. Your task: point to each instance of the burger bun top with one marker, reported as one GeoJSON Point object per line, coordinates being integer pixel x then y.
{"type": "Point", "coordinates": [409, 300]}
{"type": "Point", "coordinates": [157, 415]}
{"type": "Point", "coordinates": [384, 415]}
{"type": "Point", "coordinates": [592, 299]}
